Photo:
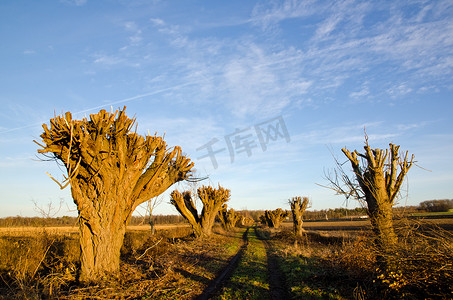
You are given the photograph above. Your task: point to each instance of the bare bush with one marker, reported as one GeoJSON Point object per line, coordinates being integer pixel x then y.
{"type": "Point", "coordinates": [419, 265]}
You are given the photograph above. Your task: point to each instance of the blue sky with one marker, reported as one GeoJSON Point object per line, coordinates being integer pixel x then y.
{"type": "Point", "coordinates": [208, 72]}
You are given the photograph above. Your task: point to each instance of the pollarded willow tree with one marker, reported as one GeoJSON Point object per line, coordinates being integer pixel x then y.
{"type": "Point", "coordinates": [111, 170]}
{"type": "Point", "coordinates": [212, 200]}
{"type": "Point", "coordinates": [229, 217]}
{"type": "Point", "coordinates": [379, 175]}
{"type": "Point", "coordinates": [275, 217]}
{"type": "Point", "coordinates": [298, 207]}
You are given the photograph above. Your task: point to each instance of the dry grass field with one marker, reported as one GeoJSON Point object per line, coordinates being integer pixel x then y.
{"type": "Point", "coordinates": [28, 230]}
{"type": "Point", "coordinates": [334, 260]}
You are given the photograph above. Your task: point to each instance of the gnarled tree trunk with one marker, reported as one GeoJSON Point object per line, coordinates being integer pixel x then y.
{"type": "Point", "coordinates": [186, 207]}
{"type": "Point", "coordinates": [229, 217]}
{"type": "Point", "coordinates": [111, 171]}
{"type": "Point", "coordinates": [298, 207]}
{"type": "Point", "coordinates": [275, 217]}
{"type": "Point", "coordinates": [380, 180]}
{"type": "Point", "coordinates": [212, 200]}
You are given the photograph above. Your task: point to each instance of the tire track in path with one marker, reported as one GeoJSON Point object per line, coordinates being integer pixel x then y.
{"type": "Point", "coordinates": [216, 284]}
{"type": "Point", "coordinates": [276, 278]}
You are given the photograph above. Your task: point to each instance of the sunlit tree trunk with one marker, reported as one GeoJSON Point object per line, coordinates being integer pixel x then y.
{"type": "Point", "coordinates": [380, 179]}
{"type": "Point", "coordinates": [186, 207]}
{"type": "Point", "coordinates": [275, 217]}
{"type": "Point", "coordinates": [298, 207]}
{"type": "Point", "coordinates": [229, 217]}
{"type": "Point", "coordinates": [111, 171]}
{"type": "Point", "coordinates": [212, 200]}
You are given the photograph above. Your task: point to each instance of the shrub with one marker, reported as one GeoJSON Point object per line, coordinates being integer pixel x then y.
{"type": "Point", "coordinates": [437, 205]}
{"type": "Point", "coordinates": [419, 265]}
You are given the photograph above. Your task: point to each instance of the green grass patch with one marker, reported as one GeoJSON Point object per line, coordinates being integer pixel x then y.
{"type": "Point", "coordinates": [306, 279]}
{"type": "Point", "coordinates": [429, 214]}
{"type": "Point", "coordinates": [249, 280]}
{"type": "Point", "coordinates": [232, 246]}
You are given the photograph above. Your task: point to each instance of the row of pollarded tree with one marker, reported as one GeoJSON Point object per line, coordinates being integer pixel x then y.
{"type": "Point", "coordinates": [111, 170]}
{"type": "Point", "coordinates": [378, 176]}
{"type": "Point", "coordinates": [273, 218]}
{"type": "Point", "coordinates": [214, 205]}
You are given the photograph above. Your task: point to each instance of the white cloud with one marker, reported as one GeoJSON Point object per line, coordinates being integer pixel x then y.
{"type": "Point", "coordinates": [108, 60]}
{"type": "Point", "coordinates": [249, 75]}
{"type": "Point", "coordinates": [136, 36]}
{"type": "Point", "coordinates": [266, 15]}
{"type": "Point", "coordinates": [75, 2]}
{"type": "Point", "coordinates": [157, 21]}
{"type": "Point", "coordinates": [345, 134]}
{"type": "Point", "coordinates": [360, 94]}
{"type": "Point", "coordinates": [327, 27]}
{"type": "Point", "coordinates": [252, 85]}
{"type": "Point", "coordinates": [191, 132]}
{"type": "Point", "coordinates": [343, 44]}
{"type": "Point", "coordinates": [399, 90]}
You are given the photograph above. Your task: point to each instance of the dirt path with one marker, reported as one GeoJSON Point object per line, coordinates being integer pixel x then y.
{"type": "Point", "coordinates": [216, 284]}
{"type": "Point", "coordinates": [277, 285]}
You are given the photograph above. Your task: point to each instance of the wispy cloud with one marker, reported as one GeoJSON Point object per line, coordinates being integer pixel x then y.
{"type": "Point", "coordinates": [362, 93]}
{"type": "Point", "coordinates": [107, 59]}
{"type": "Point", "coordinates": [136, 33]}
{"type": "Point", "coordinates": [347, 40]}
{"type": "Point", "coordinates": [388, 57]}
{"type": "Point", "coordinates": [268, 14]}
{"type": "Point", "coordinates": [75, 2]}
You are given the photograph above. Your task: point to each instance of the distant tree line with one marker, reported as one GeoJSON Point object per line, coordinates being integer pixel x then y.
{"type": "Point", "coordinates": [336, 213]}
{"type": "Point", "coordinates": [442, 205]}
{"type": "Point", "coordinates": [19, 221]}
{"type": "Point", "coordinates": [158, 219]}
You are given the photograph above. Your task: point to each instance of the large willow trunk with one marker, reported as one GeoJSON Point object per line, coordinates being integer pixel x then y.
{"type": "Point", "coordinates": [298, 207]}
{"type": "Point", "coordinates": [229, 217]}
{"type": "Point", "coordinates": [275, 217]}
{"type": "Point", "coordinates": [380, 209]}
{"type": "Point", "coordinates": [111, 171]}
{"type": "Point", "coordinates": [186, 207]}
{"type": "Point", "coordinates": [102, 227]}
{"type": "Point", "coordinates": [101, 249]}
{"type": "Point", "coordinates": [212, 200]}
{"type": "Point", "coordinates": [380, 180]}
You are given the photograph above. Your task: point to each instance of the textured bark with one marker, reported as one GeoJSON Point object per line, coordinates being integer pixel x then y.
{"type": "Point", "coordinates": [380, 181]}
{"type": "Point", "coordinates": [298, 207]}
{"type": "Point", "coordinates": [185, 206]}
{"type": "Point", "coordinates": [111, 171]}
{"type": "Point", "coordinates": [247, 221]}
{"type": "Point", "coordinates": [212, 200]}
{"type": "Point", "coordinates": [229, 217]}
{"type": "Point", "coordinates": [275, 217]}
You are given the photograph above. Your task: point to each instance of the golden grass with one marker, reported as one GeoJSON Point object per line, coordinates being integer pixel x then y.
{"type": "Point", "coordinates": [360, 225]}
{"type": "Point", "coordinates": [36, 264]}
{"type": "Point", "coordinates": [42, 262]}
{"type": "Point", "coordinates": [30, 231]}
